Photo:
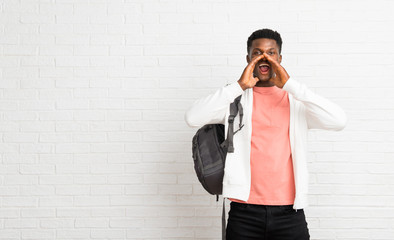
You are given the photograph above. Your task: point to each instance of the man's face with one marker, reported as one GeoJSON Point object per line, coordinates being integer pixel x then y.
{"type": "Point", "coordinates": [263, 70]}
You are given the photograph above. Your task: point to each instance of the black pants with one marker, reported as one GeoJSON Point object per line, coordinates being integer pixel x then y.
{"type": "Point", "coordinates": [264, 222]}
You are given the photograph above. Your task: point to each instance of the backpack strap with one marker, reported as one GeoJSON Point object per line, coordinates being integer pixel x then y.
{"type": "Point", "coordinates": [235, 107]}
{"type": "Point", "coordinates": [224, 220]}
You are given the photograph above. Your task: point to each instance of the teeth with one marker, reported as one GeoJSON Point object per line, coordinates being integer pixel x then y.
{"type": "Point", "coordinates": [264, 64]}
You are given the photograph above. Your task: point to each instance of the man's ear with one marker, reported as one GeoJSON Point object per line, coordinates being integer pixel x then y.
{"type": "Point", "coordinates": [247, 58]}
{"type": "Point", "coordinates": [280, 58]}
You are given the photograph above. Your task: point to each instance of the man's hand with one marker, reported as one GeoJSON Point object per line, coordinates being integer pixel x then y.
{"type": "Point", "coordinates": [247, 79]}
{"type": "Point", "coordinates": [280, 75]}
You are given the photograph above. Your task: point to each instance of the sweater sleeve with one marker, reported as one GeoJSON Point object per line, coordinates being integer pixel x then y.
{"type": "Point", "coordinates": [320, 112]}
{"type": "Point", "coordinates": [212, 109]}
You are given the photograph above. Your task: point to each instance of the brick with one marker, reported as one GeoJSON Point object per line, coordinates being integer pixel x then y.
{"type": "Point", "coordinates": [108, 233]}
{"type": "Point", "coordinates": [73, 233]}
{"type": "Point", "coordinates": [38, 234]}
{"type": "Point", "coordinates": [91, 223]}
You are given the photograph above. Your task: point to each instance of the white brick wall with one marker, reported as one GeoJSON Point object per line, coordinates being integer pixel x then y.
{"type": "Point", "coordinates": [92, 95]}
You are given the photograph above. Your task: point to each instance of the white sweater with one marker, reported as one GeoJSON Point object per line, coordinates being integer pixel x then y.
{"type": "Point", "coordinates": [307, 111]}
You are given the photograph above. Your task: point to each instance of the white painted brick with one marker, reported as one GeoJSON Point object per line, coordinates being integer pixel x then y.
{"type": "Point", "coordinates": [20, 137]}
{"type": "Point", "coordinates": [105, 83]}
{"type": "Point", "coordinates": [91, 223]}
{"type": "Point", "coordinates": [134, 84]}
{"type": "Point", "coordinates": [126, 179]}
{"type": "Point", "coordinates": [37, 18]}
{"type": "Point", "coordinates": [176, 190]}
{"type": "Point", "coordinates": [72, 39]}
{"type": "Point", "coordinates": [9, 148]}
{"type": "Point", "coordinates": [38, 212]}
{"type": "Point", "coordinates": [55, 137]}
{"type": "Point", "coordinates": [56, 223]}
{"type": "Point", "coordinates": [124, 137]}
{"type": "Point", "coordinates": [72, 148]}
{"type": "Point", "coordinates": [106, 190]}
{"type": "Point", "coordinates": [55, 72]}
{"type": "Point", "coordinates": [127, 223]}
{"type": "Point", "coordinates": [109, 61]}
{"type": "Point", "coordinates": [66, 126]}
{"type": "Point", "coordinates": [91, 201]}
{"type": "Point", "coordinates": [142, 18]}
{"type": "Point", "coordinates": [21, 29]}
{"type": "Point", "coordinates": [58, 115]}
{"type": "Point", "coordinates": [25, 72]}
{"type": "Point", "coordinates": [55, 180]}
{"type": "Point", "coordinates": [90, 179]}
{"type": "Point", "coordinates": [37, 83]}
{"type": "Point", "coordinates": [124, 8]}
{"type": "Point", "coordinates": [58, 8]}
{"type": "Point", "coordinates": [160, 178]}
{"type": "Point", "coordinates": [74, 169]}
{"type": "Point", "coordinates": [89, 137]}
{"type": "Point", "coordinates": [19, 201]}
{"type": "Point", "coordinates": [126, 51]}
{"type": "Point", "coordinates": [108, 212]}
{"type": "Point", "coordinates": [141, 104]}
{"type": "Point", "coordinates": [37, 169]}
{"type": "Point", "coordinates": [9, 234]}
{"type": "Point", "coordinates": [107, 168]}
{"type": "Point", "coordinates": [177, 233]}
{"type": "Point", "coordinates": [108, 234]}
{"type": "Point", "coordinates": [90, 9]}
{"type": "Point", "coordinates": [57, 201]}
{"type": "Point", "coordinates": [20, 223]}
{"type": "Point", "coordinates": [124, 158]}
{"type": "Point", "coordinates": [106, 104]}
{"type": "Point", "coordinates": [68, 61]}
{"type": "Point", "coordinates": [37, 234]}
{"type": "Point", "coordinates": [106, 147]}
{"type": "Point", "coordinates": [89, 93]}
{"type": "Point", "coordinates": [172, 50]}
{"type": "Point", "coordinates": [73, 212]}
{"type": "Point", "coordinates": [9, 169]}
{"type": "Point", "coordinates": [72, 19]}
{"type": "Point", "coordinates": [105, 126]}
{"type": "Point", "coordinates": [182, 18]}
{"type": "Point", "coordinates": [36, 148]}
{"type": "Point", "coordinates": [10, 213]}
{"type": "Point", "coordinates": [10, 83]}
{"type": "Point", "coordinates": [73, 233]}
{"type": "Point", "coordinates": [9, 191]}
{"type": "Point", "coordinates": [72, 190]}
{"type": "Point", "coordinates": [99, 39]}
{"type": "Point", "coordinates": [19, 158]}
{"type": "Point", "coordinates": [123, 28]}
{"type": "Point", "coordinates": [125, 200]}
{"type": "Point", "coordinates": [137, 233]}
{"type": "Point", "coordinates": [37, 40]}
{"type": "Point", "coordinates": [141, 190]}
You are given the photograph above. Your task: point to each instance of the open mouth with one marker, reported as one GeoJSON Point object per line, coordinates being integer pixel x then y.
{"type": "Point", "coordinates": [264, 68]}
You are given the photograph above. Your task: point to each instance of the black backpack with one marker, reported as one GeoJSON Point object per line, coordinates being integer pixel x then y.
{"type": "Point", "coordinates": [209, 154]}
{"type": "Point", "coordinates": [210, 150]}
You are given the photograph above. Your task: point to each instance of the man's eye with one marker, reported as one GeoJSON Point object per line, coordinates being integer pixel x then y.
{"type": "Point", "coordinates": [271, 53]}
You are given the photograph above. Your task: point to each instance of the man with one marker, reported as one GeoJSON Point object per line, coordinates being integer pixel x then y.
{"type": "Point", "coordinates": [266, 177]}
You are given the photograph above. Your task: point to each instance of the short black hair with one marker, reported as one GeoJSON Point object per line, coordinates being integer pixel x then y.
{"type": "Point", "coordinates": [265, 33]}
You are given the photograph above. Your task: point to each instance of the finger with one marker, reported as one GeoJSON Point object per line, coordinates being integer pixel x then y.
{"type": "Point", "coordinates": [254, 61]}
{"type": "Point", "coordinates": [271, 60]}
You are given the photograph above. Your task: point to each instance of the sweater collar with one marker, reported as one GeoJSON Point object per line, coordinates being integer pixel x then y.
{"type": "Point", "coordinates": [266, 90]}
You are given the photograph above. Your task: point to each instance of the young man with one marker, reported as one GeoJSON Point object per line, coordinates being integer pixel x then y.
{"type": "Point", "coordinates": [266, 176]}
